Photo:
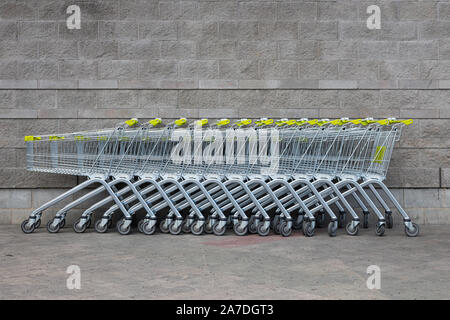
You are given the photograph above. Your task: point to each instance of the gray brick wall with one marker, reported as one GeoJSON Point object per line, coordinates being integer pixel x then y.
{"type": "Point", "coordinates": [227, 58]}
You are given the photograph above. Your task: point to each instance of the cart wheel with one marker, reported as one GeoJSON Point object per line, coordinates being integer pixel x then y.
{"type": "Point", "coordinates": [365, 220]}
{"type": "Point", "coordinates": [308, 230]}
{"type": "Point", "coordinates": [262, 231]}
{"type": "Point", "coordinates": [320, 220]}
{"type": "Point", "coordinates": [237, 228]}
{"type": "Point", "coordinates": [208, 226]}
{"type": "Point", "coordinates": [196, 230]}
{"type": "Point", "coordinates": [414, 232]}
{"type": "Point", "coordinates": [140, 224]}
{"type": "Point", "coordinates": [37, 224]}
{"type": "Point", "coordinates": [100, 229]}
{"type": "Point", "coordinates": [298, 225]}
{"type": "Point", "coordinates": [146, 230]}
{"type": "Point", "coordinates": [108, 224]}
{"type": "Point", "coordinates": [252, 227]}
{"type": "Point", "coordinates": [275, 221]}
{"type": "Point", "coordinates": [121, 229]}
{"type": "Point", "coordinates": [27, 229]}
{"type": "Point", "coordinates": [380, 230]}
{"type": "Point", "coordinates": [341, 220]}
{"type": "Point", "coordinates": [350, 230]}
{"type": "Point", "coordinates": [284, 229]}
{"type": "Point", "coordinates": [174, 230]}
{"type": "Point", "coordinates": [52, 229]}
{"type": "Point", "coordinates": [277, 227]}
{"type": "Point", "coordinates": [62, 224]}
{"type": "Point", "coordinates": [163, 227]}
{"type": "Point", "coordinates": [332, 229]}
{"type": "Point", "coordinates": [389, 221]}
{"type": "Point", "coordinates": [79, 229]}
{"type": "Point", "coordinates": [219, 231]}
{"type": "Point", "coordinates": [185, 227]}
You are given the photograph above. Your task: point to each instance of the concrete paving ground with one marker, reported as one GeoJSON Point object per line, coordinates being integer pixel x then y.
{"type": "Point", "coordinates": [230, 267]}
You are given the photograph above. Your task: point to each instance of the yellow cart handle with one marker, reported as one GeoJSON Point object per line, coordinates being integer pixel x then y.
{"type": "Point", "coordinates": [31, 138]}
{"type": "Point", "coordinates": [406, 122]}
{"type": "Point", "coordinates": [223, 122]}
{"type": "Point", "coordinates": [155, 122]}
{"type": "Point", "coordinates": [180, 122]}
{"type": "Point", "coordinates": [200, 123]}
{"type": "Point", "coordinates": [243, 122]}
{"type": "Point", "coordinates": [132, 122]}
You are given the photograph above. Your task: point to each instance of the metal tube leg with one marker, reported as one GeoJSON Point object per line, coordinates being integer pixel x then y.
{"type": "Point", "coordinates": [242, 227]}
{"type": "Point", "coordinates": [62, 212]}
{"type": "Point", "coordinates": [309, 226]}
{"type": "Point", "coordinates": [361, 204]}
{"type": "Point", "coordinates": [387, 211]}
{"type": "Point", "coordinates": [87, 213]}
{"type": "Point", "coordinates": [332, 227]}
{"type": "Point", "coordinates": [36, 214]}
{"type": "Point", "coordinates": [264, 227]}
{"type": "Point", "coordinates": [201, 219]}
{"type": "Point", "coordinates": [381, 221]}
{"type": "Point", "coordinates": [55, 223]}
{"type": "Point", "coordinates": [29, 224]}
{"type": "Point", "coordinates": [173, 226]}
{"type": "Point", "coordinates": [358, 200]}
{"type": "Point", "coordinates": [352, 228]}
{"type": "Point", "coordinates": [411, 229]}
{"type": "Point", "coordinates": [287, 216]}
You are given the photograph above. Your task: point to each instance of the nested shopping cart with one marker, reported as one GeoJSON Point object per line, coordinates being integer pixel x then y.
{"type": "Point", "coordinates": [251, 175]}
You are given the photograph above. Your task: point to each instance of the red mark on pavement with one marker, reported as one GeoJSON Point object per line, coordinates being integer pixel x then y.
{"type": "Point", "coordinates": [248, 240]}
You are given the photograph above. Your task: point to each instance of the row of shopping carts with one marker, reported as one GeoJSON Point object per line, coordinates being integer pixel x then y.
{"type": "Point", "coordinates": [203, 177]}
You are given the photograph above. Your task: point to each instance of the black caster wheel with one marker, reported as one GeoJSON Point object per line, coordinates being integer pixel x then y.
{"type": "Point", "coordinates": [277, 227]}
{"type": "Point", "coordinates": [146, 229]}
{"type": "Point", "coordinates": [100, 229]}
{"type": "Point", "coordinates": [284, 229]}
{"type": "Point", "coordinates": [51, 228]}
{"type": "Point", "coordinates": [252, 227]}
{"type": "Point", "coordinates": [389, 221]}
{"type": "Point", "coordinates": [350, 230]}
{"type": "Point", "coordinates": [320, 220]}
{"type": "Point", "coordinates": [297, 225]}
{"type": "Point", "coordinates": [414, 232]}
{"type": "Point", "coordinates": [208, 226]}
{"type": "Point", "coordinates": [173, 229]}
{"type": "Point", "coordinates": [365, 220]}
{"type": "Point", "coordinates": [164, 227]}
{"type": "Point", "coordinates": [140, 224]}
{"type": "Point", "coordinates": [185, 227]}
{"type": "Point", "coordinates": [79, 229]}
{"type": "Point", "coordinates": [37, 224]}
{"type": "Point", "coordinates": [196, 230]}
{"type": "Point", "coordinates": [308, 230]}
{"type": "Point", "coordinates": [332, 228]}
{"type": "Point", "coordinates": [121, 229]}
{"type": "Point", "coordinates": [379, 230]}
{"type": "Point", "coordinates": [27, 229]}
{"type": "Point", "coordinates": [62, 224]}
{"type": "Point", "coordinates": [219, 231]}
{"type": "Point", "coordinates": [275, 221]}
{"type": "Point", "coordinates": [262, 231]}
{"type": "Point", "coordinates": [237, 228]}
{"type": "Point", "coordinates": [341, 220]}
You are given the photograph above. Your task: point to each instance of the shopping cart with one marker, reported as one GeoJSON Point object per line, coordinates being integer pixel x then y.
{"type": "Point", "coordinates": [282, 174]}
